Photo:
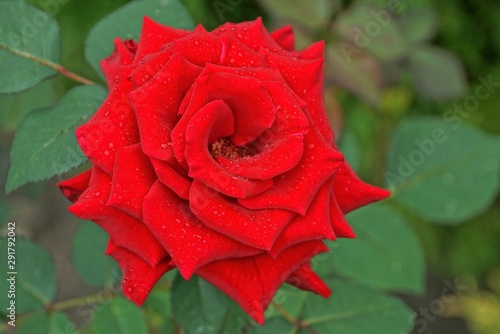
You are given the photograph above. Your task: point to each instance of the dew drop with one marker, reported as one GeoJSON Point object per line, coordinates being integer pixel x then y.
{"type": "Point", "coordinates": [310, 146]}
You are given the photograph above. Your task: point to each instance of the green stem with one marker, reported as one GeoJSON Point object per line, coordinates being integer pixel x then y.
{"type": "Point", "coordinates": [71, 303]}
{"type": "Point", "coordinates": [285, 313]}
{"type": "Point", "coordinates": [59, 68]}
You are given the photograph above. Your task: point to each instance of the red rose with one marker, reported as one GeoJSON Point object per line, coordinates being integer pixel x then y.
{"type": "Point", "coordinates": [213, 154]}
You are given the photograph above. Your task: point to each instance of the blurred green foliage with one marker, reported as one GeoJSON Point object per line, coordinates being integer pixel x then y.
{"type": "Point", "coordinates": [431, 56]}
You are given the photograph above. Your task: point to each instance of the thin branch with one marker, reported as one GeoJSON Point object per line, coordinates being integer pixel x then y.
{"type": "Point", "coordinates": [71, 303]}
{"type": "Point", "coordinates": [290, 318]}
{"type": "Point", "coordinates": [59, 68]}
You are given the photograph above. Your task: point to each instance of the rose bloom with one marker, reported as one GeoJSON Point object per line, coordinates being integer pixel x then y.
{"type": "Point", "coordinates": [213, 154]}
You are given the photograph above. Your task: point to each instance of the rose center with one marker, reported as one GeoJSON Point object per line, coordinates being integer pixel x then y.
{"type": "Point", "coordinates": [224, 147]}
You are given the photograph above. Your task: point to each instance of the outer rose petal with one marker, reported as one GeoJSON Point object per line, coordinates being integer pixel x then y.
{"type": "Point", "coordinates": [122, 55]}
{"type": "Point", "coordinates": [352, 193]}
{"type": "Point", "coordinates": [256, 228]}
{"type": "Point", "coordinates": [125, 230]}
{"type": "Point", "coordinates": [154, 36]}
{"type": "Point", "coordinates": [112, 127]}
{"type": "Point", "coordinates": [199, 48]}
{"type": "Point", "coordinates": [315, 225]}
{"type": "Point", "coordinates": [339, 223]}
{"type": "Point", "coordinates": [253, 34]}
{"type": "Point", "coordinates": [156, 111]}
{"type": "Point", "coordinates": [132, 177]}
{"type": "Point", "coordinates": [170, 219]}
{"type": "Point", "coordinates": [253, 281]}
{"type": "Point", "coordinates": [138, 276]}
{"type": "Point", "coordinates": [284, 37]}
{"type": "Point", "coordinates": [74, 187]}
{"type": "Point", "coordinates": [306, 279]}
{"type": "Point", "coordinates": [236, 54]}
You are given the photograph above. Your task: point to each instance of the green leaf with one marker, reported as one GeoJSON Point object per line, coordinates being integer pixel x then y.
{"type": "Point", "coordinates": [126, 22]}
{"type": "Point", "coordinates": [356, 309]}
{"type": "Point", "coordinates": [198, 306]}
{"type": "Point", "coordinates": [291, 299]}
{"type": "Point", "coordinates": [350, 149]}
{"type": "Point", "coordinates": [374, 29]}
{"type": "Point", "coordinates": [15, 107]}
{"type": "Point", "coordinates": [419, 24]}
{"type": "Point", "coordinates": [313, 13]}
{"type": "Point", "coordinates": [159, 302]}
{"type": "Point", "coordinates": [354, 69]}
{"type": "Point", "coordinates": [386, 252]}
{"type": "Point", "coordinates": [35, 280]}
{"type": "Point", "coordinates": [45, 144]}
{"type": "Point", "coordinates": [437, 73]}
{"type": "Point", "coordinates": [26, 33]}
{"type": "Point", "coordinates": [4, 212]}
{"type": "Point", "coordinates": [442, 169]}
{"type": "Point", "coordinates": [120, 316]}
{"type": "Point", "coordinates": [237, 320]}
{"type": "Point", "coordinates": [54, 323]}
{"type": "Point", "coordinates": [92, 264]}
{"type": "Point", "coordinates": [273, 326]}
{"type": "Point", "coordinates": [158, 309]}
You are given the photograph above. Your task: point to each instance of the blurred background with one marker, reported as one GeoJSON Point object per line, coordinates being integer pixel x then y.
{"type": "Point", "coordinates": [387, 62]}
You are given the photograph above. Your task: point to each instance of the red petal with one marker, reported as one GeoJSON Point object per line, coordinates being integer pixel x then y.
{"type": "Point", "coordinates": [256, 228]}
{"type": "Point", "coordinates": [260, 73]}
{"type": "Point", "coordinates": [132, 177]}
{"type": "Point", "coordinates": [156, 111]}
{"type": "Point", "coordinates": [126, 231]}
{"type": "Point", "coordinates": [74, 187]}
{"type": "Point", "coordinates": [296, 189]}
{"type": "Point", "coordinates": [252, 33]}
{"type": "Point", "coordinates": [112, 127]}
{"type": "Point", "coordinates": [150, 65]}
{"type": "Point", "coordinates": [172, 178]}
{"type": "Point", "coordinates": [313, 51]}
{"type": "Point", "coordinates": [306, 79]}
{"type": "Point", "coordinates": [315, 225]}
{"type": "Point", "coordinates": [154, 36]}
{"type": "Point", "coordinates": [253, 281]}
{"type": "Point", "coordinates": [236, 54]}
{"type": "Point", "coordinates": [250, 118]}
{"type": "Point", "coordinates": [138, 276]}
{"type": "Point", "coordinates": [339, 223]}
{"type": "Point", "coordinates": [123, 54]}
{"type": "Point", "coordinates": [279, 157]}
{"type": "Point", "coordinates": [306, 279]}
{"type": "Point", "coordinates": [284, 37]}
{"type": "Point", "coordinates": [352, 193]}
{"type": "Point", "coordinates": [212, 122]}
{"type": "Point", "coordinates": [190, 243]}
{"type": "Point", "coordinates": [199, 48]}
